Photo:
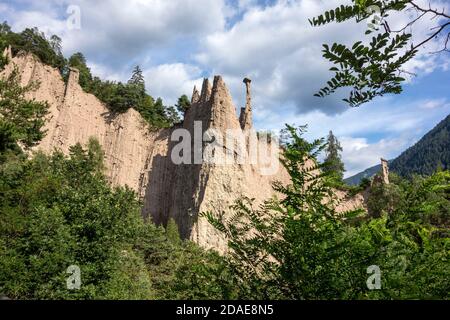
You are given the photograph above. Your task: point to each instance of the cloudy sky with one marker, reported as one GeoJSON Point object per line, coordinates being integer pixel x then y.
{"type": "Point", "coordinates": [178, 42]}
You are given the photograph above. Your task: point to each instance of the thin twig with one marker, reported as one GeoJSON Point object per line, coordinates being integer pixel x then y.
{"type": "Point", "coordinates": [410, 23]}
{"type": "Point", "coordinates": [429, 10]}
{"type": "Point", "coordinates": [445, 46]}
{"type": "Point", "coordinates": [432, 36]}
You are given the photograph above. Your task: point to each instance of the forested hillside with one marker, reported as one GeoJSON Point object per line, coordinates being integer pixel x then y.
{"type": "Point", "coordinates": [429, 154]}
{"type": "Point", "coordinates": [366, 174]}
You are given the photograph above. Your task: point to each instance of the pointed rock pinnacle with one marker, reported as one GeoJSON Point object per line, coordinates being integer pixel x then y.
{"type": "Point", "coordinates": [195, 96]}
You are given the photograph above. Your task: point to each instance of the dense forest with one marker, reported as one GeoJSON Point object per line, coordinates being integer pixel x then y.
{"type": "Point", "coordinates": [117, 96]}
{"type": "Point", "coordinates": [429, 154]}
{"type": "Point", "coordinates": [57, 211]}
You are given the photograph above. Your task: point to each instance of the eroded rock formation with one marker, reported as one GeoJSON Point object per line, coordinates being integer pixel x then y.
{"type": "Point", "coordinates": [75, 116]}
{"type": "Point", "coordinates": [7, 53]}
{"type": "Point", "coordinates": [143, 159]}
{"type": "Point", "coordinates": [384, 171]}
{"type": "Point", "coordinates": [198, 186]}
{"type": "Point", "coordinates": [245, 117]}
{"type": "Point", "coordinates": [382, 177]}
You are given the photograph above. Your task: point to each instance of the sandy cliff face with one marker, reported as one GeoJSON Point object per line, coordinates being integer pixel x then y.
{"type": "Point", "coordinates": [210, 186]}
{"type": "Point", "coordinates": [75, 116]}
{"type": "Point", "coordinates": [142, 159]}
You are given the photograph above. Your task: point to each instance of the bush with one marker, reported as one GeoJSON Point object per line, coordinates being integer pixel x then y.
{"type": "Point", "coordinates": [34, 41]}
{"type": "Point", "coordinates": [59, 212]}
{"type": "Point", "coordinates": [300, 248]}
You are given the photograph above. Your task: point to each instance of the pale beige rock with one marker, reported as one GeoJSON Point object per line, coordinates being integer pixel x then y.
{"type": "Point", "coordinates": [7, 53]}
{"type": "Point", "coordinates": [382, 177]}
{"type": "Point", "coordinates": [346, 203]}
{"type": "Point", "coordinates": [245, 118]}
{"type": "Point", "coordinates": [194, 188]}
{"type": "Point", "coordinates": [141, 158]}
{"type": "Point", "coordinates": [195, 95]}
{"type": "Point", "coordinates": [384, 171]}
{"type": "Point", "coordinates": [75, 116]}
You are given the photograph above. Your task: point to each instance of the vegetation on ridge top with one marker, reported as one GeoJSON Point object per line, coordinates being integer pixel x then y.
{"type": "Point", "coordinates": [117, 96]}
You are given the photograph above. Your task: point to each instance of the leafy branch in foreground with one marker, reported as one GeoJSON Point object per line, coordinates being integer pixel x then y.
{"type": "Point", "coordinates": [277, 251]}
{"type": "Point", "coordinates": [376, 69]}
{"type": "Point", "coordinates": [300, 248]}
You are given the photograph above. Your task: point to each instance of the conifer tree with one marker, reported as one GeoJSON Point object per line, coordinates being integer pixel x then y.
{"type": "Point", "coordinates": [137, 78]}
{"type": "Point", "coordinates": [183, 104]}
{"type": "Point", "coordinates": [333, 162]}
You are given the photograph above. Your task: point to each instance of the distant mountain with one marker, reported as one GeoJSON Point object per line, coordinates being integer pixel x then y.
{"type": "Point", "coordinates": [425, 157]}
{"type": "Point", "coordinates": [368, 173]}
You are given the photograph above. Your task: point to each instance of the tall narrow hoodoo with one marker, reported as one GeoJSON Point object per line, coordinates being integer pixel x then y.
{"type": "Point", "coordinates": [245, 117]}
{"type": "Point", "coordinates": [384, 171]}
{"type": "Point", "coordinates": [7, 53]}
{"type": "Point", "coordinates": [72, 82]}
{"type": "Point", "coordinates": [223, 112]}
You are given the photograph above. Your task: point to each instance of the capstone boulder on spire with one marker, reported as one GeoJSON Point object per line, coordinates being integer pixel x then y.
{"type": "Point", "coordinates": [245, 118]}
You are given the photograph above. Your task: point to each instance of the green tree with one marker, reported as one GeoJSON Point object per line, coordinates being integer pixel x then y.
{"type": "Point", "coordinates": [21, 120]}
{"type": "Point", "coordinates": [333, 162]}
{"type": "Point", "coordinates": [34, 41]}
{"type": "Point", "coordinates": [183, 104]}
{"type": "Point", "coordinates": [68, 216]}
{"type": "Point", "coordinates": [56, 44]}
{"type": "Point", "coordinates": [78, 61]}
{"type": "Point", "coordinates": [5, 29]}
{"type": "Point", "coordinates": [137, 78]}
{"type": "Point", "coordinates": [377, 68]}
{"type": "Point", "coordinates": [57, 211]}
{"type": "Point", "coordinates": [300, 248]}
{"type": "Point", "coordinates": [172, 115]}
{"type": "Point", "coordinates": [172, 231]}
{"type": "Point", "coordinates": [383, 199]}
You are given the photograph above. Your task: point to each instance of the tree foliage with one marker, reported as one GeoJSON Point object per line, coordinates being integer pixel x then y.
{"type": "Point", "coordinates": [58, 211]}
{"type": "Point", "coordinates": [118, 97]}
{"type": "Point", "coordinates": [137, 78]}
{"type": "Point", "coordinates": [68, 216]}
{"type": "Point", "coordinates": [78, 61]}
{"type": "Point", "coordinates": [183, 104]}
{"type": "Point", "coordinates": [333, 161]}
{"type": "Point", "coordinates": [34, 41]}
{"type": "Point", "coordinates": [21, 120]}
{"type": "Point", "coordinates": [428, 155]}
{"type": "Point", "coordinates": [375, 68]}
{"type": "Point", "coordinates": [300, 248]}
